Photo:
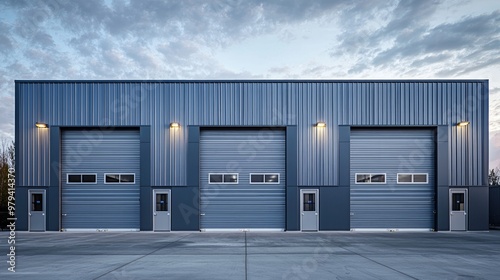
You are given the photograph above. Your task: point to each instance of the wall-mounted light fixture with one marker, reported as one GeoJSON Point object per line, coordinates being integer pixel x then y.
{"type": "Point", "coordinates": [174, 125]}
{"type": "Point", "coordinates": [41, 125]}
{"type": "Point", "coordinates": [320, 124]}
{"type": "Point", "coordinates": [463, 123]}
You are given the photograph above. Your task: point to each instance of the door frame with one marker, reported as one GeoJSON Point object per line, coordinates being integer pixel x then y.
{"type": "Point", "coordinates": [466, 204]}
{"type": "Point", "coordinates": [44, 196]}
{"type": "Point", "coordinates": [162, 191]}
{"type": "Point", "coordinates": [301, 205]}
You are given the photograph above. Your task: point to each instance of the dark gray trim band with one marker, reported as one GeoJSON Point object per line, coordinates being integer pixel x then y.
{"type": "Point", "coordinates": [146, 205]}
{"type": "Point", "coordinates": [442, 217]}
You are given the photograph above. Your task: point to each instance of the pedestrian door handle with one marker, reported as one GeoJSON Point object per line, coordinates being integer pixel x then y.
{"type": "Point", "coordinates": [202, 214]}
{"type": "Point", "coordinates": [316, 214]}
{"type": "Point", "coordinates": [43, 214]}
{"type": "Point", "coordinates": [154, 214]}
{"type": "Point", "coordinates": [64, 215]}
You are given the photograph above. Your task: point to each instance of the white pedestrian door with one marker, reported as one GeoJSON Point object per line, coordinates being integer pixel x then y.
{"type": "Point", "coordinates": [458, 209]}
{"type": "Point", "coordinates": [309, 201]}
{"type": "Point", "coordinates": [161, 211]}
{"type": "Point", "coordinates": [37, 207]}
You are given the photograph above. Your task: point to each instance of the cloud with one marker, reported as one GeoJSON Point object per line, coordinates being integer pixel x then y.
{"type": "Point", "coordinates": [407, 16]}
{"type": "Point", "coordinates": [479, 34]}
{"type": "Point", "coordinates": [86, 43]}
{"type": "Point", "coordinates": [388, 21]}
{"type": "Point", "coordinates": [6, 106]}
{"type": "Point", "coordinates": [320, 71]}
{"type": "Point", "coordinates": [467, 67]}
{"type": "Point", "coordinates": [211, 22]}
{"type": "Point", "coordinates": [42, 39]}
{"type": "Point", "coordinates": [430, 59]}
{"type": "Point", "coordinates": [142, 39]}
{"type": "Point", "coordinates": [494, 100]}
{"type": "Point", "coordinates": [142, 56]}
{"type": "Point", "coordinates": [179, 51]}
{"type": "Point", "coordinates": [6, 41]}
{"type": "Point", "coordinates": [402, 37]}
{"type": "Point", "coordinates": [495, 150]}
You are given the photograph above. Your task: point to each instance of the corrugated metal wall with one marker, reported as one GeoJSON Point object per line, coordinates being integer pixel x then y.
{"type": "Point", "coordinates": [255, 103]}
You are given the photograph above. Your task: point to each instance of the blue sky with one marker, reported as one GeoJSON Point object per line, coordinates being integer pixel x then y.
{"type": "Point", "coordinates": [341, 39]}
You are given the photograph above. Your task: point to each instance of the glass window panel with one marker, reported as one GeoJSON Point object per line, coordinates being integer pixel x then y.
{"type": "Point", "coordinates": [73, 178]}
{"type": "Point", "coordinates": [362, 178]}
{"type": "Point", "coordinates": [215, 178]}
{"type": "Point", "coordinates": [230, 178]}
{"type": "Point", "coordinates": [257, 178]}
{"type": "Point", "coordinates": [404, 178]}
{"type": "Point", "coordinates": [272, 178]}
{"type": "Point", "coordinates": [89, 178]}
{"type": "Point", "coordinates": [378, 178]}
{"type": "Point", "coordinates": [309, 202]}
{"type": "Point", "coordinates": [420, 178]}
{"type": "Point", "coordinates": [112, 178]}
{"type": "Point", "coordinates": [36, 202]}
{"type": "Point", "coordinates": [161, 202]}
{"type": "Point", "coordinates": [457, 203]}
{"type": "Point", "coordinates": [127, 178]}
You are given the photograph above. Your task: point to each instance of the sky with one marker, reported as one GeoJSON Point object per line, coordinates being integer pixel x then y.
{"type": "Point", "coordinates": [247, 39]}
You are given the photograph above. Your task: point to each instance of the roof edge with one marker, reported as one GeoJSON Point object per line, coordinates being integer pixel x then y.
{"type": "Point", "coordinates": [262, 81]}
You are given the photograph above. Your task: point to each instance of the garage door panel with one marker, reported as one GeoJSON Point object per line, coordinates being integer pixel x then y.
{"type": "Point", "coordinates": [392, 205]}
{"type": "Point", "coordinates": [242, 205]}
{"type": "Point", "coordinates": [99, 205]}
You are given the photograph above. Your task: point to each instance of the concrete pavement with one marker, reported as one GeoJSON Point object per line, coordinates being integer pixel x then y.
{"type": "Point", "coordinates": [258, 255]}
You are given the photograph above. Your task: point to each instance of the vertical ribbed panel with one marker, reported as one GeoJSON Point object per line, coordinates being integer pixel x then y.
{"type": "Point", "coordinates": [317, 145]}
{"type": "Point", "coordinates": [33, 153]}
{"type": "Point", "coordinates": [255, 103]}
{"type": "Point", "coordinates": [90, 104]}
{"type": "Point", "coordinates": [466, 156]}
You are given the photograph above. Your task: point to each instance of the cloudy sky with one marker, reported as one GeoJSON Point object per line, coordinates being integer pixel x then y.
{"type": "Point", "coordinates": [247, 39]}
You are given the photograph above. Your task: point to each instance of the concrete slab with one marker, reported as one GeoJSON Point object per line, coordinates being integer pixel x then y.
{"type": "Point", "coordinates": [276, 255]}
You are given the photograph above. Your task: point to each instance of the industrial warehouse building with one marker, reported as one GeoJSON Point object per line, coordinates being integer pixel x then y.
{"type": "Point", "coordinates": [285, 155]}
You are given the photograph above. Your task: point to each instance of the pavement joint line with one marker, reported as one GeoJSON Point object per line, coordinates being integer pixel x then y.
{"type": "Point", "coordinates": [379, 263]}
{"type": "Point", "coordinates": [148, 254]}
{"type": "Point", "coordinates": [367, 258]}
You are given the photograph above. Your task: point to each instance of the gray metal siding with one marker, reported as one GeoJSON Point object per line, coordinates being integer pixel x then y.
{"type": "Point", "coordinates": [494, 200]}
{"type": "Point", "coordinates": [254, 103]}
{"type": "Point", "coordinates": [242, 205]}
{"type": "Point", "coordinates": [100, 205]}
{"type": "Point", "coordinates": [204, 104]}
{"type": "Point", "coordinates": [392, 205]}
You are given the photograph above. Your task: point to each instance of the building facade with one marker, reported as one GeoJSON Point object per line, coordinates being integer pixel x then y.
{"type": "Point", "coordinates": [255, 154]}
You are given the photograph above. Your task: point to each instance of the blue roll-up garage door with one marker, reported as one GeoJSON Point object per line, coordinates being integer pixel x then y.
{"type": "Point", "coordinates": [235, 154]}
{"type": "Point", "coordinates": [89, 201]}
{"type": "Point", "coordinates": [378, 200]}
